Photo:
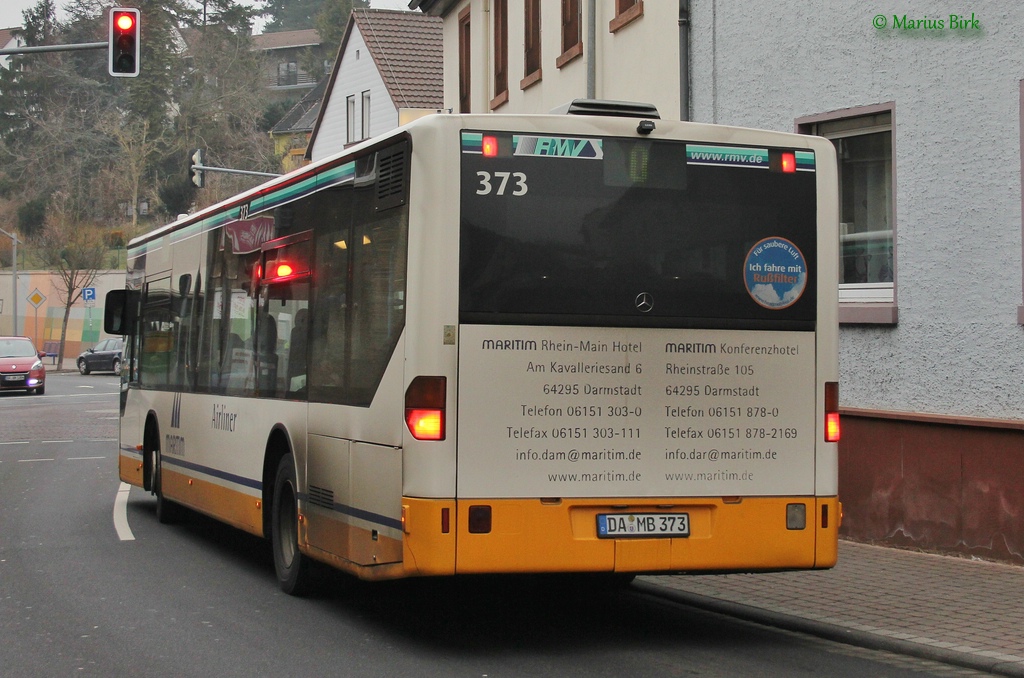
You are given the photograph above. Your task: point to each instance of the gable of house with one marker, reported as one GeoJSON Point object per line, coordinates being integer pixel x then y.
{"type": "Point", "coordinates": [388, 60]}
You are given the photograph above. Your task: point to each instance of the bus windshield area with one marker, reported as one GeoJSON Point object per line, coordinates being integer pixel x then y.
{"type": "Point", "coordinates": [575, 230]}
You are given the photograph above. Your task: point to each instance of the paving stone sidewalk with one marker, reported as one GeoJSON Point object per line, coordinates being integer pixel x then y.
{"type": "Point", "coordinates": [955, 610]}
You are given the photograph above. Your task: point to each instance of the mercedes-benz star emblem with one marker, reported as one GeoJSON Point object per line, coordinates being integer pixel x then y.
{"type": "Point", "coordinates": [644, 302]}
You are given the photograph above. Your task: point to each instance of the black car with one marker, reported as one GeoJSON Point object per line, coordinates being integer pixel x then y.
{"type": "Point", "coordinates": [105, 356]}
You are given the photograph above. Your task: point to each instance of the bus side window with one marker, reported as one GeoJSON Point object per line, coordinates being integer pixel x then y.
{"type": "Point", "coordinates": [297, 345]}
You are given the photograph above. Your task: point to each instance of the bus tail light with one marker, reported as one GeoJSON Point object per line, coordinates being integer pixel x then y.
{"type": "Point", "coordinates": [489, 146]}
{"type": "Point", "coordinates": [424, 407]}
{"type": "Point", "coordinates": [831, 412]}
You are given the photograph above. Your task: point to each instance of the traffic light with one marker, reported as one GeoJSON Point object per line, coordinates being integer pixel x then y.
{"type": "Point", "coordinates": [123, 43]}
{"type": "Point", "coordinates": [196, 168]}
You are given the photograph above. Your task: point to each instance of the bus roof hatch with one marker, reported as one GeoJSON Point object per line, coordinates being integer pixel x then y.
{"type": "Point", "coordinates": [621, 109]}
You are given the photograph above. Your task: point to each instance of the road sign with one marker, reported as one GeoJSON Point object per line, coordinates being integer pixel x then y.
{"type": "Point", "coordinates": [89, 296]}
{"type": "Point", "coordinates": [36, 298]}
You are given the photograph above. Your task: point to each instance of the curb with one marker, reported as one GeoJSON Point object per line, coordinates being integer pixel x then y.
{"type": "Point", "coordinates": [834, 632]}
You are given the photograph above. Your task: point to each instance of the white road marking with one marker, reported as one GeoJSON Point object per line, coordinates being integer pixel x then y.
{"type": "Point", "coordinates": [124, 532]}
{"type": "Point", "coordinates": [26, 461]}
{"type": "Point", "coordinates": [83, 458]}
{"type": "Point", "coordinates": [56, 441]}
{"type": "Point", "coordinates": [16, 442]}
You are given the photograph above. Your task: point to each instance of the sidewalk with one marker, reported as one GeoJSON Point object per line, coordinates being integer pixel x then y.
{"type": "Point", "coordinates": [958, 611]}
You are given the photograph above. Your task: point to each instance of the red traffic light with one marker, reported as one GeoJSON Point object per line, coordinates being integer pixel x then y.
{"type": "Point", "coordinates": [124, 21]}
{"type": "Point", "coordinates": [123, 42]}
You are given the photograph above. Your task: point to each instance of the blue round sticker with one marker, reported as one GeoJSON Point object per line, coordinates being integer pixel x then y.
{"type": "Point", "coordinates": [775, 273]}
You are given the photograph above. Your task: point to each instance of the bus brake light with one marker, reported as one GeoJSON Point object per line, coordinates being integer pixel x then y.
{"type": "Point", "coordinates": [284, 270]}
{"type": "Point", "coordinates": [425, 408]}
{"type": "Point", "coordinates": [788, 162]}
{"type": "Point", "coordinates": [490, 147]}
{"type": "Point", "coordinates": [831, 412]}
{"type": "Point", "coordinates": [425, 424]}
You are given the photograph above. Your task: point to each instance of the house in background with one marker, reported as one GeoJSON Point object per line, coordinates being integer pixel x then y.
{"type": "Point", "coordinates": [291, 134]}
{"type": "Point", "coordinates": [285, 78]}
{"type": "Point", "coordinates": [931, 314]}
{"type": "Point", "coordinates": [389, 61]}
{"type": "Point", "coordinates": [9, 41]}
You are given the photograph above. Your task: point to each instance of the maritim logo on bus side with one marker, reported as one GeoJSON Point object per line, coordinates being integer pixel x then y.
{"type": "Point", "coordinates": [174, 444]}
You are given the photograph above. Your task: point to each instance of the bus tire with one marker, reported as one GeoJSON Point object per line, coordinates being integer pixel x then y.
{"type": "Point", "coordinates": [167, 512]}
{"type": "Point", "coordinates": [294, 570]}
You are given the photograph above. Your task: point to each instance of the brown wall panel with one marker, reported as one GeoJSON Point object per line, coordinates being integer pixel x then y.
{"type": "Point", "coordinates": [947, 485]}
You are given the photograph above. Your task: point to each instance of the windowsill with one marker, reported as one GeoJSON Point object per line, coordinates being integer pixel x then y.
{"type": "Point", "coordinates": [531, 79]}
{"type": "Point", "coordinates": [851, 313]}
{"type": "Point", "coordinates": [629, 16]}
{"type": "Point", "coordinates": [499, 100]}
{"type": "Point", "coordinates": [568, 55]}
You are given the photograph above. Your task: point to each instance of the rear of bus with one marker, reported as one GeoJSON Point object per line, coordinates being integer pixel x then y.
{"type": "Point", "coordinates": [647, 348]}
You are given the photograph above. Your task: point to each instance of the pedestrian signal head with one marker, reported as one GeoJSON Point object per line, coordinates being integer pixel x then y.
{"type": "Point", "coordinates": [123, 43]}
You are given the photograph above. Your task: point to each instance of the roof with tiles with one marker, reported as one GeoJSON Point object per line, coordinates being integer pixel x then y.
{"type": "Point", "coordinates": [407, 50]}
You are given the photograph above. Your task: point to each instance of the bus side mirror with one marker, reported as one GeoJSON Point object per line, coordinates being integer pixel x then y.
{"type": "Point", "coordinates": [120, 312]}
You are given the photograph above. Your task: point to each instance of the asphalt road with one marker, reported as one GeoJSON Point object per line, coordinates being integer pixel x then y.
{"type": "Point", "coordinates": [200, 599]}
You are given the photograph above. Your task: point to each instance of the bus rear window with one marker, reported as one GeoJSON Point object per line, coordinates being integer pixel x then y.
{"type": "Point", "coordinates": [634, 232]}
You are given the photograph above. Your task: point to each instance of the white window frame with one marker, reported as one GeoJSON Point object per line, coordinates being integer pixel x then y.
{"type": "Point", "coordinates": [868, 302]}
{"type": "Point", "coordinates": [366, 114]}
{"type": "Point", "coordinates": [350, 115]}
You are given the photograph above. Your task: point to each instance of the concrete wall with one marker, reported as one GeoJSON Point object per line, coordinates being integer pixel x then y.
{"type": "Point", "coordinates": [937, 483]}
{"type": "Point", "coordinates": [85, 325]}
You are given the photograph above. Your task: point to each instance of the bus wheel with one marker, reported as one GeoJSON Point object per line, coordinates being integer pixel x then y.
{"type": "Point", "coordinates": [167, 512]}
{"type": "Point", "coordinates": [294, 570]}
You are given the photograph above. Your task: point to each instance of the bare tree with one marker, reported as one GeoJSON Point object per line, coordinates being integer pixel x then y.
{"type": "Point", "coordinates": [74, 252]}
{"type": "Point", "coordinates": [138, 146]}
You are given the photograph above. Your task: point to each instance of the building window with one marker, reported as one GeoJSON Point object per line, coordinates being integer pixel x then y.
{"type": "Point", "coordinates": [500, 13]}
{"type": "Point", "coordinates": [465, 59]}
{"type": "Point", "coordinates": [626, 11]}
{"type": "Point", "coordinates": [287, 74]}
{"type": "Point", "coordinates": [350, 112]}
{"type": "Point", "coordinates": [572, 32]}
{"type": "Point", "coordinates": [531, 55]}
{"type": "Point", "coordinates": [864, 150]}
{"type": "Point", "coordinates": [366, 114]}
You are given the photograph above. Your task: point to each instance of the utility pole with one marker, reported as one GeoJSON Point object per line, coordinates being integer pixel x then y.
{"type": "Point", "coordinates": [14, 274]}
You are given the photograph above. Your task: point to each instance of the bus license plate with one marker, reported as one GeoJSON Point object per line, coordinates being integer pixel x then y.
{"type": "Point", "coordinates": [625, 525]}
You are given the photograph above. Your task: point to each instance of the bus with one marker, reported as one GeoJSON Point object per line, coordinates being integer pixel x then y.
{"type": "Point", "coordinates": [584, 342]}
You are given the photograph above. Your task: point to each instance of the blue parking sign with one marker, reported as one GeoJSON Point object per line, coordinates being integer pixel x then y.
{"type": "Point", "coordinates": [89, 293]}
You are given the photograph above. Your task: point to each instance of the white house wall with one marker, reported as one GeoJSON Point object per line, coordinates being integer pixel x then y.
{"type": "Point", "coordinates": [628, 56]}
{"type": "Point", "coordinates": [357, 73]}
{"type": "Point", "coordinates": [957, 348]}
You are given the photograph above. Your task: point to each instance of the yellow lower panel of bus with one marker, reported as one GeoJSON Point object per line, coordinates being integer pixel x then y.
{"type": "Point", "coordinates": [561, 536]}
{"type": "Point", "coordinates": [229, 505]}
{"type": "Point", "coordinates": [332, 533]}
{"type": "Point", "coordinates": [130, 469]}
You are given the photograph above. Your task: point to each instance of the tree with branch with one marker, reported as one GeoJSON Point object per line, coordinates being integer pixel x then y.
{"type": "Point", "coordinates": [74, 253]}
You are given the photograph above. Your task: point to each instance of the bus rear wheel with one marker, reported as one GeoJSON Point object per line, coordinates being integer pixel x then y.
{"type": "Point", "coordinates": [294, 570]}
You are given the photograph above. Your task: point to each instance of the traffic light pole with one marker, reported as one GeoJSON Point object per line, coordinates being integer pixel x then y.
{"type": "Point", "coordinates": [225, 170]}
{"type": "Point", "coordinates": [53, 48]}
